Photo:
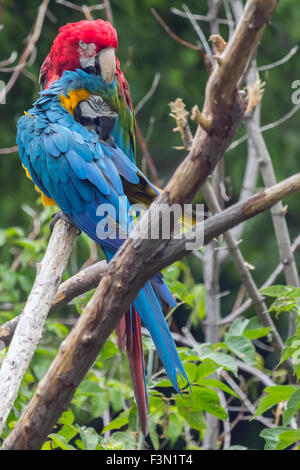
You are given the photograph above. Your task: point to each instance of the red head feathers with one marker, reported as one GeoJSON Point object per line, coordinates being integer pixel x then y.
{"type": "Point", "coordinates": [64, 53]}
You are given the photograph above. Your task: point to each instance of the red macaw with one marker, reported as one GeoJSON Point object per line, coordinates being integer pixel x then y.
{"type": "Point", "coordinates": [77, 144]}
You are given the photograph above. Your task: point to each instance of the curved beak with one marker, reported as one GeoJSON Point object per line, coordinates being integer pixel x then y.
{"type": "Point", "coordinates": [107, 62]}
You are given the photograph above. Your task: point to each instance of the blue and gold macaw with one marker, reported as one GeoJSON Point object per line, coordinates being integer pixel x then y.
{"type": "Point", "coordinates": [77, 145]}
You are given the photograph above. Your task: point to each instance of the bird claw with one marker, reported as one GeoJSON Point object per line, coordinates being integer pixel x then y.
{"type": "Point", "coordinates": [62, 215]}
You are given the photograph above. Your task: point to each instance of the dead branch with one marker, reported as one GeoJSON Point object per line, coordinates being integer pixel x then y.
{"type": "Point", "coordinates": [210, 264]}
{"type": "Point", "coordinates": [267, 127]}
{"type": "Point", "coordinates": [149, 93]}
{"type": "Point", "coordinates": [8, 150]}
{"type": "Point", "coordinates": [108, 11]}
{"type": "Point", "coordinates": [279, 62]}
{"type": "Point", "coordinates": [278, 212]}
{"type": "Point", "coordinates": [245, 276]}
{"type": "Point", "coordinates": [33, 38]}
{"type": "Point", "coordinates": [271, 279]}
{"type": "Point", "coordinates": [174, 36]}
{"type": "Point", "coordinates": [32, 320]}
{"type": "Point", "coordinates": [79, 284]}
{"type": "Point", "coordinates": [144, 147]}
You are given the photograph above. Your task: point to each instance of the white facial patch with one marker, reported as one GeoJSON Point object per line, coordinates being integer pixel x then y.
{"type": "Point", "coordinates": [86, 54]}
{"type": "Point", "coordinates": [107, 60]}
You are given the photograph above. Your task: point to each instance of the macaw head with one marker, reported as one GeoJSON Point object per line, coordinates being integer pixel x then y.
{"type": "Point", "coordinates": [86, 45]}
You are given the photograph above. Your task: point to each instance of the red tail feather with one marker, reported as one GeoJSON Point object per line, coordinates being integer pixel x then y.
{"type": "Point", "coordinates": [135, 356]}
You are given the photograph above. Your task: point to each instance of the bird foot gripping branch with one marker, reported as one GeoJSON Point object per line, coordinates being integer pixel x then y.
{"type": "Point", "coordinates": [61, 215]}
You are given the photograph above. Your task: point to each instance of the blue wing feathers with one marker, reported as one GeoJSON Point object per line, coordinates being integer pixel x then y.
{"type": "Point", "coordinates": [69, 163]}
{"type": "Point", "coordinates": [61, 141]}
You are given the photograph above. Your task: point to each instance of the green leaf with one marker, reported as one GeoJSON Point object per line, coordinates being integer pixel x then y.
{"type": "Point", "coordinates": [176, 425]}
{"type": "Point", "coordinates": [236, 448]}
{"type": "Point", "coordinates": [191, 370]}
{"type": "Point", "coordinates": [68, 431]}
{"type": "Point", "coordinates": [2, 237]}
{"type": "Point", "coordinates": [192, 415]}
{"type": "Point", "coordinates": [148, 343]}
{"type": "Point", "coordinates": [281, 291]}
{"type": "Point", "coordinates": [198, 312]}
{"type": "Point", "coordinates": [14, 231]}
{"type": "Point", "coordinates": [118, 422]}
{"type": "Point", "coordinates": [89, 438]}
{"type": "Point", "coordinates": [222, 359]}
{"type": "Point", "coordinates": [275, 395]}
{"type": "Point", "coordinates": [123, 440]}
{"type": "Point", "coordinates": [216, 384]}
{"type": "Point", "coordinates": [66, 418]}
{"type": "Point", "coordinates": [109, 350]}
{"type": "Point", "coordinates": [292, 406]}
{"type": "Point", "coordinates": [100, 403]}
{"type": "Point", "coordinates": [201, 399]}
{"type": "Point", "coordinates": [47, 446]}
{"type": "Point", "coordinates": [152, 427]}
{"type": "Point", "coordinates": [241, 347]}
{"type": "Point", "coordinates": [238, 326]}
{"type": "Point", "coordinates": [60, 441]}
{"type": "Point", "coordinates": [206, 368]}
{"type": "Point", "coordinates": [254, 329]}
{"type": "Point", "coordinates": [258, 333]}
{"type": "Point", "coordinates": [280, 438]}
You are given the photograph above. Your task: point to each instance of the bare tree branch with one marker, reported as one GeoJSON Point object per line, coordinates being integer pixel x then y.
{"type": "Point", "coordinates": [108, 11]}
{"type": "Point", "coordinates": [173, 35]}
{"type": "Point", "coordinates": [32, 320]}
{"type": "Point", "coordinates": [33, 38]}
{"type": "Point", "coordinates": [149, 93]}
{"type": "Point", "coordinates": [245, 275]}
{"type": "Point", "coordinates": [77, 285]}
{"type": "Point", "coordinates": [271, 279]}
{"type": "Point", "coordinates": [278, 212]}
{"type": "Point", "coordinates": [267, 127]}
{"type": "Point", "coordinates": [140, 258]}
{"type": "Point", "coordinates": [279, 62]}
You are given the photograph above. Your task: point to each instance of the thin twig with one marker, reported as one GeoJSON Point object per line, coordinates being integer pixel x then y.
{"type": "Point", "coordinates": [267, 127]}
{"type": "Point", "coordinates": [200, 34]}
{"type": "Point", "coordinates": [278, 211]}
{"type": "Point", "coordinates": [108, 11]}
{"type": "Point", "coordinates": [33, 38]}
{"type": "Point", "coordinates": [13, 56]}
{"type": "Point", "coordinates": [197, 17]}
{"type": "Point", "coordinates": [271, 279]}
{"type": "Point", "coordinates": [279, 62]}
{"type": "Point", "coordinates": [267, 422]}
{"type": "Point", "coordinates": [8, 150]}
{"type": "Point", "coordinates": [146, 154]}
{"type": "Point", "coordinates": [174, 36]}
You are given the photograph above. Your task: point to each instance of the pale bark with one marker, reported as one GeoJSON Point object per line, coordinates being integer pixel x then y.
{"type": "Point", "coordinates": [30, 326]}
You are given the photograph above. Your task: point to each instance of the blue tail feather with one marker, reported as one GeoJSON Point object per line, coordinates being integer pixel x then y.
{"type": "Point", "coordinates": [150, 311]}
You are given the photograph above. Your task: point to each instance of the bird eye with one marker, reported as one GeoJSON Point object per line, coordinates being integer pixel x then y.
{"type": "Point", "coordinates": [83, 44]}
